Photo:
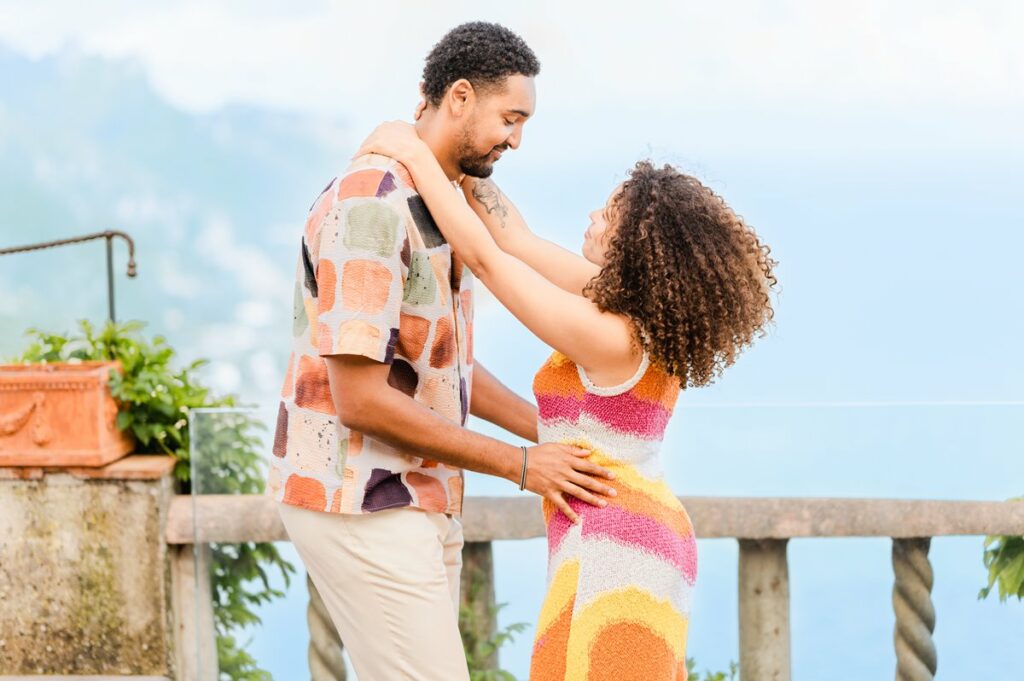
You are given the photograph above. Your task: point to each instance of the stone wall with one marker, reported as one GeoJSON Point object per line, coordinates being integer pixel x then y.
{"type": "Point", "coordinates": [84, 572]}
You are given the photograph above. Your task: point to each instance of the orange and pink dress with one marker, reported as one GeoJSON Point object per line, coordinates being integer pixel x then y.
{"type": "Point", "coordinates": [620, 581]}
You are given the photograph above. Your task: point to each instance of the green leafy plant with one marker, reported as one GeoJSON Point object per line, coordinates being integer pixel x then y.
{"type": "Point", "coordinates": [692, 675]}
{"type": "Point", "coordinates": [154, 400]}
{"type": "Point", "coordinates": [482, 649]}
{"type": "Point", "coordinates": [1004, 559]}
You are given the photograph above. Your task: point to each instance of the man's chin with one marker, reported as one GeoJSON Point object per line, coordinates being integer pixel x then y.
{"type": "Point", "coordinates": [479, 171]}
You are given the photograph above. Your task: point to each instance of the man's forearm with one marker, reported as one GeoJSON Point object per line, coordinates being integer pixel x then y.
{"type": "Point", "coordinates": [366, 402]}
{"type": "Point", "coordinates": [494, 402]}
{"type": "Point", "coordinates": [400, 421]}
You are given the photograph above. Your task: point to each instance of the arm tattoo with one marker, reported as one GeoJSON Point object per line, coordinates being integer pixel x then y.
{"type": "Point", "coordinates": [487, 193]}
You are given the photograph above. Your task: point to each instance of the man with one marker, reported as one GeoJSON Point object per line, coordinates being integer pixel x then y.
{"type": "Point", "coordinates": [370, 444]}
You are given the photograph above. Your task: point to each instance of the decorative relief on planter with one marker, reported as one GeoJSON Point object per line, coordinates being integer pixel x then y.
{"type": "Point", "coordinates": [59, 415]}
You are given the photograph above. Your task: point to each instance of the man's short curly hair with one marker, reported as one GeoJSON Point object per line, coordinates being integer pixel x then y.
{"type": "Point", "coordinates": [485, 54]}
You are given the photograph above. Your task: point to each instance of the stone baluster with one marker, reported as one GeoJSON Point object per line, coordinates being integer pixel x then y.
{"type": "Point", "coordinates": [916, 659]}
{"type": "Point", "coordinates": [764, 610]}
{"type": "Point", "coordinates": [478, 622]}
{"type": "Point", "coordinates": [325, 660]}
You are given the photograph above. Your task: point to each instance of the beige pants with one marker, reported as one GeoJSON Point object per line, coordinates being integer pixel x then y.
{"type": "Point", "coordinates": [390, 581]}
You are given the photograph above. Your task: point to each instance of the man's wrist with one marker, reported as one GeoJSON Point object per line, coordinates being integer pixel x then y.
{"type": "Point", "coordinates": [511, 458]}
{"type": "Point", "coordinates": [524, 467]}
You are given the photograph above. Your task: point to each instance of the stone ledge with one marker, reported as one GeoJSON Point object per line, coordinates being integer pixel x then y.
{"type": "Point", "coordinates": [239, 518]}
{"type": "Point", "coordinates": [131, 467]}
{"type": "Point", "coordinates": [83, 678]}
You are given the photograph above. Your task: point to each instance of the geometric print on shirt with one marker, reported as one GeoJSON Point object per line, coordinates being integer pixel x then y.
{"type": "Point", "coordinates": [374, 278]}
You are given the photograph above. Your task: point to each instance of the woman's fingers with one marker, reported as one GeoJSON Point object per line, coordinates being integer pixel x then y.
{"type": "Point", "coordinates": [369, 146]}
{"type": "Point", "coordinates": [390, 139]}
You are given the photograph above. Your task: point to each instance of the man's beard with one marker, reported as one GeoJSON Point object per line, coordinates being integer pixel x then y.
{"type": "Point", "coordinates": [480, 167]}
{"type": "Point", "coordinates": [473, 165]}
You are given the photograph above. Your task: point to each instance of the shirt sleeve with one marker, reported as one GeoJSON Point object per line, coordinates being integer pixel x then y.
{"type": "Point", "coordinates": [360, 272]}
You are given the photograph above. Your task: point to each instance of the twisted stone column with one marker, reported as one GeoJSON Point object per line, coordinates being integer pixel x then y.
{"type": "Point", "coordinates": [325, 660]}
{"type": "Point", "coordinates": [916, 659]}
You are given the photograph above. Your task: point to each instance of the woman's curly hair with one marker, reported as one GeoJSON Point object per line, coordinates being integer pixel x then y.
{"type": "Point", "coordinates": [689, 273]}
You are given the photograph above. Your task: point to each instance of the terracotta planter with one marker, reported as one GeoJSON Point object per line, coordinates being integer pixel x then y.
{"type": "Point", "coordinates": [59, 415]}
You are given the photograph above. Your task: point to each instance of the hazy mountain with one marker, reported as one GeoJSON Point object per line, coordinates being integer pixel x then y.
{"type": "Point", "coordinates": [214, 202]}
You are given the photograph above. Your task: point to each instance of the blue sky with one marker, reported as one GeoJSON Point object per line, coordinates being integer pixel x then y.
{"type": "Point", "coordinates": [877, 148]}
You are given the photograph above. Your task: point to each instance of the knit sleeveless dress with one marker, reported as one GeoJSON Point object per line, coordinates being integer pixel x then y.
{"type": "Point", "coordinates": [619, 581]}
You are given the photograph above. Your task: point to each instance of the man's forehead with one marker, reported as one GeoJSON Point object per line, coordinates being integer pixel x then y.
{"type": "Point", "coordinates": [519, 112]}
{"type": "Point", "coordinates": [519, 96]}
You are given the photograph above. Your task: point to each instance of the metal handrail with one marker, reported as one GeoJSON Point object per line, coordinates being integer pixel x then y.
{"type": "Point", "coordinates": [109, 235]}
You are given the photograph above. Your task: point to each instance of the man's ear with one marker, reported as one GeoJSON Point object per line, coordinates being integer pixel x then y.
{"type": "Point", "coordinates": [460, 97]}
{"type": "Point", "coordinates": [422, 106]}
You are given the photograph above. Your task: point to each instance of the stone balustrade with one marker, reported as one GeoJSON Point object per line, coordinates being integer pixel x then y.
{"type": "Point", "coordinates": [762, 526]}
{"type": "Point", "coordinates": [105, 572]}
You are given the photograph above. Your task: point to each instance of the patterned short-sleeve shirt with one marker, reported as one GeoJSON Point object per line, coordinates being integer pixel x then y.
{"type": "Point", "coordinates": [375, 278]}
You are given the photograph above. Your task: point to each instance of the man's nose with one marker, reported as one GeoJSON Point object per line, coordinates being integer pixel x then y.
{"type": "Point", "coordinates": [514, 139]}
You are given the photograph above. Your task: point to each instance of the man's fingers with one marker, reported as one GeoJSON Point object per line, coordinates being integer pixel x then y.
{"type": "Point", "coordinates": [583, 495]}
{"type": "Point", "coordinates": [563, 505]}
{"type": "Point", "coordinates": [591, 483]}
{"type": "Point", "coordinates": [581, 453]}
{"type": "Point", "coordinates": [591, 468]}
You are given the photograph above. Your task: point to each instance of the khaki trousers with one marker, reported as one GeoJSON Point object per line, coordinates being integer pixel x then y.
{"type": "Point", "coordinates": [390, 581]}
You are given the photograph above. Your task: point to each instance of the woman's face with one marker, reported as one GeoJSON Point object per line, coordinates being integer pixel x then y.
{"type": "Point", "coordinates": [602, 226]}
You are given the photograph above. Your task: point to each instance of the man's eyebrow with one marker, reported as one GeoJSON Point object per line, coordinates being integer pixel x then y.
{"type": "Point", "coordinates": [518, 112]}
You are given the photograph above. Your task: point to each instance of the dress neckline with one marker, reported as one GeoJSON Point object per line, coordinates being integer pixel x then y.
{"type": "Point", "coordinates": [612, 390]}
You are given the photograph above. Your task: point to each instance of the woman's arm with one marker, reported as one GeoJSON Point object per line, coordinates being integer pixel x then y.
{"type": "Point", "coordinates": [567, 322]}
{"type": "Point", "coordinates": [503, 220]}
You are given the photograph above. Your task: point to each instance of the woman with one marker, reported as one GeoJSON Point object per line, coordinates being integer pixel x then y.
{"type": "Point", "coordinates": [671, 286]}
